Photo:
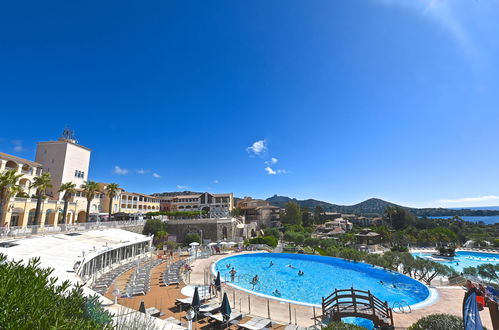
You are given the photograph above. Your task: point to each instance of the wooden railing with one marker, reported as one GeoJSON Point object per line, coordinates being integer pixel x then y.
{"type": "Point", "coordinates": [356, 303]}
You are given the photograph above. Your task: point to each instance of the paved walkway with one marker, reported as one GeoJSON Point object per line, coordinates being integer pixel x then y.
{"type": "Point", "coordinates": [449, 302]}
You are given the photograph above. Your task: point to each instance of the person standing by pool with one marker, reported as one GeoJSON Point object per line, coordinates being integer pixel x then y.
{"type": "Point", "coordinates": [232, 274]}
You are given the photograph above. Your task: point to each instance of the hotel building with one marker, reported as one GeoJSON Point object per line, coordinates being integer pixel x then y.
{"type": "Point", "coordinates": [66, 161]}
{"type": "Point", "coordinates": [216, 205]}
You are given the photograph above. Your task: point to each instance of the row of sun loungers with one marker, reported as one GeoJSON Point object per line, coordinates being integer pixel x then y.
{"type": "Point", "coordinates": [211, 309]}
{"type": "Point", "coordinates": [140, 281]}
{"type": "Point", "coordinates": [172, 273]}
{"type": "Point", "coordinates": [104, 282]}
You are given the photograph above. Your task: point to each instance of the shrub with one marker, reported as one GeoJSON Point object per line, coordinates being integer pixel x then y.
{"type": "Point", "coordinates": [189, 238]}
{"type": "Point", "coordinates": [153, 226]}
{"type": "Point", "coordinates": [269, 240]}
{"type": "Point", "coordinates": [31, 299]}
{"type": "Point", "coordinates": [438, 321]}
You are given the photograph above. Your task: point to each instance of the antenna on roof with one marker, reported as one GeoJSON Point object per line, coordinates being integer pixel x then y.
{"type": "Point", "coordinates": [68, 135]}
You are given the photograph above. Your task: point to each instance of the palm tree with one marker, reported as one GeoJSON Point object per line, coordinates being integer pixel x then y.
{"type": "Point", "coordinates": [90, 188]}
{"type": "Point", "coordinates": [40, 183]}
{"type": "Point", "coordinates": [112, 190]}
{"type": "Point", "coordinates": [69, 188]}
{"type": "Point", "coordinates": [8, 188]}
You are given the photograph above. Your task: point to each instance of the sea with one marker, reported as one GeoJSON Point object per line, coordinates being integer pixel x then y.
{"type": "Point", "coordinates": [490, 220]}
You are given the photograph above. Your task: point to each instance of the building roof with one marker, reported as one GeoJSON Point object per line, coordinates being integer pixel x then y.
{"type": "Point", "coordinates": [369, 234]}
{"type": "Point", "coordinates": [267, 207]}
{"type": "Point", "coordinates": [19, 160]}
{"type": "Point", "coordinates": [188, 196]}
{"type": "Point", "coordinates": [65, 141]}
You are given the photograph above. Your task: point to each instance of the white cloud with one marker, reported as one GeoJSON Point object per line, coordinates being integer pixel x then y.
{"type": "Point", "coordinates": [182, 187]}
{"type": "Point", "coordinates": [270, 171]}
{"type": "Point", "coordinates": [470, 199]}
{"type": "Point", "coordinates": [272, 161]}
{"type": "Point", "coordinates": [18, 145]}
{"type": "Point", "coordinates": [258, 148]}
{"type": "Point", "coordinates": [142, 171]}
{"type": "Point", "coordinates": [156, 175]}
{"type": "Point", "coordinates": [215, 181]}
{"type": "Point", "coordinates": [120, 171]}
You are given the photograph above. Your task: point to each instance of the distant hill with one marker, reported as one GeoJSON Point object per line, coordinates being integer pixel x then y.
{"type": "Point", "coordinates": [376, 206]}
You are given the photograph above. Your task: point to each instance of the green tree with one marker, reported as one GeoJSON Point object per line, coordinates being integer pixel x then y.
{"type": "Point", "coordinates": [68, 188]}
{"type": "Point", "coordinates": [112, 190]}
{"type": "Point", "coordinates": [40, 303]}
{"type": "Point", "coordinates": [8, 189]}
{"type": "Point", "coordinates": [318, 214]}
{"type": "Point", "coordinates": [272, 232]}
{"type": "Point", "coordinates": [41, 184]}
{"type": "Point", "coordinates": [470, 271]}
{"type": "Point", "coordinates": [489, 272]}
{"type": "Point", "coordinates": [307, 217]}
{"type": "Point", "coordinates": [398, 217]}
{"type": "Point", "coordinates": [292, 214]}
{"type": "Point", "coordinates": [189, 238]}
{"type": "Point", "coordinates": [153, 227]}
{"type": "Point", "coordinates": [237, 212]}
{"type": "Point", "coordinates": [90, 189]}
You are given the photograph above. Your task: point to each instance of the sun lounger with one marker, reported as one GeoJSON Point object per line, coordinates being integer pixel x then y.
{"type": "Point", "coordinates": [233, 316]}
{"type": "Point", "coordinates": [256, 323]}
{"type": "Point", "coordinates": [209, 308]}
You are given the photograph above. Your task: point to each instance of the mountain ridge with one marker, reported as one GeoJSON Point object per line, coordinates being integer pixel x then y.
{"type": "Point", "coordinates": [377, 206]}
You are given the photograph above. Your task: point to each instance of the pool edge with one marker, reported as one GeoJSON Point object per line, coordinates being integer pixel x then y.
{"type": "Point", "coordinates": [432, 298]}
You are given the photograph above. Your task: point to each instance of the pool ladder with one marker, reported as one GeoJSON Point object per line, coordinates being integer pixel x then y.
{"type": "Point", "coordinates": [401, 307]}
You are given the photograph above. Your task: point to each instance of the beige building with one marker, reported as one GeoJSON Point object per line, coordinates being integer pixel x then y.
{"type": "Point", "coordinates": [259, 211]}
{"type": "Point", "coordinates": [136, 203]}
{"type": "Point", "coordinates": [216, 205]}
{"type": "Point", "coordinates": [65, 160]}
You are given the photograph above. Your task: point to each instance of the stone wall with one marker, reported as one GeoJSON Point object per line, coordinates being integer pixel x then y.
{"type": "Point", "coordinates": [210, 229]}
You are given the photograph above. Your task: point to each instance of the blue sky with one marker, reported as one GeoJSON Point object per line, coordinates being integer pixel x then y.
{"type": "Point", "coordinates": [334, 100]}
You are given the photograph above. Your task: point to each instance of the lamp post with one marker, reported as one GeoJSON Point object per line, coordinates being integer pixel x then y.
{"type": "Point", "coordinates": [190, 316]}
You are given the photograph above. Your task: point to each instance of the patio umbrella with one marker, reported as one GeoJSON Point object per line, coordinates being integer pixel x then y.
{"type": "Point", "coordinates": [471, 315]}
{"type": "Point", "coordinates": [142, 307]}
{"type": "Point", "coordinates": [225, 309]}
{"type": "Point", "coordinates": [194, 244]}
{"type": "Point", "coordinates": [196, 302]}
{"type": "Point", "coordinates": [212, 244]}
{"type": "Point", "coordinates": [218, 282]}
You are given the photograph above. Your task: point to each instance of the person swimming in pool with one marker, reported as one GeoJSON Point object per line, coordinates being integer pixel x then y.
{"type": "Point", "coordinates": [271, 264]}
{"type": "Point", "coordinates": [276, 293]}
{"type": "Point", "coordinates": [255, 280]}
{"type": "Point", "coordinates": [300, 273]}
{"type": "Point", "coordinates": [291, 266]}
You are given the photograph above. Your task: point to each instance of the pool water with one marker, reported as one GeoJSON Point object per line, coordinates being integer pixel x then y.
{"type": "Point", "coordinates": [463, 259]}
{"type": "Point", "coordinates": [322, 275]}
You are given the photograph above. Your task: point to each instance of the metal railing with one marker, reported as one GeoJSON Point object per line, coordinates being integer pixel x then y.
{"type": "Point", "coordinates": [18, 231]}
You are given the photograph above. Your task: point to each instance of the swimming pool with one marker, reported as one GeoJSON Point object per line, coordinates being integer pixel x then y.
{"type": "Point", "coordinates": [321, 276]}
{"type": "Point", "coordinates": [463, 259]}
